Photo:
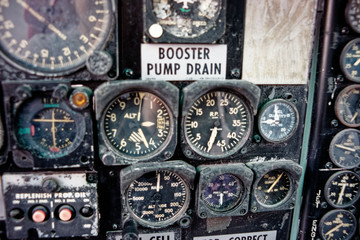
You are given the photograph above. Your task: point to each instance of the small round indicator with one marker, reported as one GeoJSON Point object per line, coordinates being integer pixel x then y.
{"type": "Point", "coordinates": [158, 198]}
{"type": "Point", "coordinates": [337, 225]}
{"type": "Point", "coordinates": [217, 124]}
{"type": "Point", "coordinates": [342, 189]}
{"type": "Point", "coordinates": [347, 106]}
{"type": "Point", "coordinates": [278, 120]}
{"type": "Point", "coordinates": [80, 99]}
{"type": "Point", "coordinates": [352, 15]}
{"type": "Point", "coordinates": [223, 192]}
{"type": "Point", "coordinates": [345, 149]}
{"type": "Point", "coordinates": [39, 214]}
{"type": "Point", "coordinates": [350, 60]}
{"type": "Point", "coordinates": [273, 188]}
{"type": "Point", "coordinates": [65, 213]}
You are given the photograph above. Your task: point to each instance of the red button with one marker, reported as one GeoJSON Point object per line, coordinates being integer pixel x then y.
{"type": "Point", "coordinates": [65, 214]}
{"type": "Point", "coordinates": [39, 216]}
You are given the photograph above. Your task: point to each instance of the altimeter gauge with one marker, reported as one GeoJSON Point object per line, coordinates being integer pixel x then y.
{"type": "Point", "coordinates": [337, 225]}
{"type": "Point", "coordinates": [347, 106]}
{"type": "Point", "coordinates": [53, 37]}
{"type": "Point", "coordinates": [350, 60]}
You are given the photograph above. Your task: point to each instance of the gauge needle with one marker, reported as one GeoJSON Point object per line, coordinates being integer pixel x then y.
{"type": "Point", "coordinates": [147, 124]}
{"type": "Point", "coordinates": [353, 118]}
{"type": "Point", "coordinates": [185, 2]}
{"type": "Point", "coordinates": [158, 183]}
{"type": "Point", "coordinates": [345, 148]}
{"type": "Point", "coordinates": [274, 184]}
{"type": "Point", "coordinates": [334, 229]}
{"type": "Point", "coordinates": [42, 19]}
{"type": "Point", "coordinates": [269, 121]}
{"type": "Point", "coordinates": [357, 62]}
{"type": "Point", "coordinates": [276, 114]}
{"type": "Point", "coordinates": [141, 95]}
{"type": "Point", "coordinates": [143, 138]}
{"type": "Point", "coordinates": [221, 198]}
{"type": "Point", "coordinates": [341, 194]}
{"type": "Point", "coordinates": [212, 138]}
{"type": "Point", "coordinates": [53, 127]}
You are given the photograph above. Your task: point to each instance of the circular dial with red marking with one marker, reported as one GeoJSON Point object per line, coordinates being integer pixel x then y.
{"type": "Point", "coordinates": [49, 128]}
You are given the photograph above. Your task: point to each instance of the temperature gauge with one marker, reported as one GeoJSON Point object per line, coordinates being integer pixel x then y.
{"type": "Point", "coordinates": [352, 15]}
{"type": "Point", "coordinates": [337, 225]}
{"type": "Point", "coordinates": [347, 106]}
{"type": "Point", "coordinates": [350, 60]}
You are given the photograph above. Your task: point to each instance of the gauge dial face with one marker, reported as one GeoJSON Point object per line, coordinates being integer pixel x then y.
{"type": "Point", "coordinates": [48, 128]}
{"type": "Point", "coordinates": [158, 198]}
{"type": "Point", "coordinates": [186, 18]}
{"type": "Point", "coordinates": [337, 225]}
{"type": "Point", "coordinates": [217, 124]}
{"type": "Point", "coordinates": [345, 149]}
{"type": "Point", "coordinates": [278, 120]}
{"type": "Point", "coordinates": [223, 192]}
{"type": "Point", "coordinates": [347, 106]}
{"type": "Point", "coordinates": [53, 37]}
{"type": "Point", "coordinates": [350, 60]}
{"type": "Point", "coordinates": [138, 124]}
{"type": "Point", "coordinates": [273, 188]}
{"type": "Point", "coordinates": [342, 189]}
{"type": "Point", "coordinates": [352, 15]}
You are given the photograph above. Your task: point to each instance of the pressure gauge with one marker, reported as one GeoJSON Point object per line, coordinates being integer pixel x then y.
{"type": "Point", "coordinates": [345, 149]}
{"type": "Point", "coordinates": [185, 21]}
{"type": "Point", "coordinates": [337, 225]}
{"type": "Point", "coordinates": [342, 189]}
{"type": "Point", "coordinates": [53, 37]}
{"type": "Point", "coordinates": [278, 120]}
{"type": "Point", "coordinates": [352, 15]}
{"type": "Point", "coordinates": [157, 196]}
{"type": "Point", "coordinates": [347, 106]}
{"type": "Point", "coordinates": [350, 60]}
{"type": "Point", "coordinates": [137, 123]}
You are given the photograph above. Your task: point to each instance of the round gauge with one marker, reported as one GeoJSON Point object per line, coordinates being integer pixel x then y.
{"type": "Point", "coordinates": [342, 189]}
{"type": "Point", "coordinates": [223, 192]}
{"type": "Point", "coordinates": [49, 128]}
{"type": "Point", "coordinates": [217, 124]}
{"type": "Point", "coordinates": [352, 15]}
{"type": "Point", "coordinates": [350, 60]}
{"type": "Point", "coordinates": [138, 124]}
{"type": "Point", "coordinates": [337, 225]}
{"type": "Point", "coordinates": [347, 106]}
{"type": "Point", "coordinates": [273, 188]}
{"type": "Point", "coordinates": [278, 120]}
{"type": "Point", "coordinates": [53, 37]}
{"type": "Point", "coordinates": [158, 198]}
{"type": "Point", "coordinates": [186, 19]}
{"type": "Point", "coordinates": [345, 149]}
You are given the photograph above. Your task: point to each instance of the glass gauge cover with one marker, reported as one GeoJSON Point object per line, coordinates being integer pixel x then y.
{"type": "Point", "coordinates": [158, 198]}
{"type": "Point", "coordinates": [186, 19]}
{"type": "Point", "coordinates": [218, 124]}
{"type": "Point", "coordinates": [345, 149]}
{"type": "Point", "coordinates": [53, 37]}
{"type": "Point", "coordinates": [337, 225]}
{"type": "Point", "coordinates": [278, 120]}
{"type": "Point", "coordinates": [49, 128]}
{"type": "Point", "coordinates": [342, 189]}
{"type": "Point", "coordinates": [347, 106]}
{"type": "Point", "coordinates": [223, 192]}
{"type": "Point", "coordinates": [137, 124]}
{"type": "Point", "coordinates": [352, 15]}
{"type": "Point", "coordinates": [350, 60]}
{"type": "Point", "coordinates": [273, 188]}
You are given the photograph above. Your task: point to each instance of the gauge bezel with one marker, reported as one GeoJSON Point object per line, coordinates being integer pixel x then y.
{"type": "Point", "coordinates": [135, 171]}
{"type": "Point", "coordinates": [342, 57]}
{"type": "Point", "coordinates": [328, 184]}
{"type": "Point", "coordinates": [294, 172]}
{"type": "Point", "coordinates": [339, 100]}
{"type": "Point", "coordinates": [208, 173]}
{"type": "Point", "coordinates": [106, 93]}
{"type": "Point", "coordinates": [347, 16]}
{"type": "Point", "coordinates": [262, 111]}
{"type": "Point", "coordinates": [248, 93]}
{"type": "Point", "coordinates": [42, 72]}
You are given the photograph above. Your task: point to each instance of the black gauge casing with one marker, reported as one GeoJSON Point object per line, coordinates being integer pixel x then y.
{"type": "Point", "coordinates": [350, 60]}
{"type": "Point", "coordinates": [337, 225]}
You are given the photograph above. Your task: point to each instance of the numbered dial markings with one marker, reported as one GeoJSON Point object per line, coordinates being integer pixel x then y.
{"type": "Point", "coordinates": [48, 129]}
{"type": "Point", "coordinates": [186, 19]}
{"type": "Point", "coordinates": [347, 106]}
{"type": "Point", "coordinates": [217, 124]}
{"type": "Point", "coordinates": [273, 187]}
{"type": "Point", "coordinates": [345, 149]}
{"type": "Point", "coordinates": [158, 198]}
{"type": "Point", "coordinates": [350, 60]}
{"type": "Point", "coordinates": [352, 14]}
{"type": "Point", "coordinates": [138, 124]}
{"type": "Point", "coordinates": [337, 225]}
{"type": "Point", "coordinates": [223, 192]}
{"type": "Point", "coordinates": [342, 189]}
{"type": "Point", "coordinates": [53, 37]}
{"type": "Point", "coordinates": [278, 120]}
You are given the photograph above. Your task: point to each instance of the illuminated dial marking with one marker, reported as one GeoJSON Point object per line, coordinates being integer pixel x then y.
{"type": "Point", "coordinates": [347, 106]}
{"type": "Point", "coordinates": [217, 124]}
{"type": "Point", "coordinates": [337, 225]}
{"type": "Point", "coordinates": [350, 60]}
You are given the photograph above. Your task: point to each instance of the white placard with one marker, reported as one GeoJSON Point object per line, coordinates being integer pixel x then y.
{"type": "Point", "coordinates": [267, 235]}
{"type": "Point", "coordinates": [146, 236]}
{"type": "Point", "coordinates": [183, 61]}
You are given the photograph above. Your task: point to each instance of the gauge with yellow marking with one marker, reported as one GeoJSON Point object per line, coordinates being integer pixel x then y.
{"type": "Point", "coordinates": [350, 60]}
{"type": "Point", "coordinates": [53, 37]}
{"type": "Point", "coordinates": [337, 225]}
